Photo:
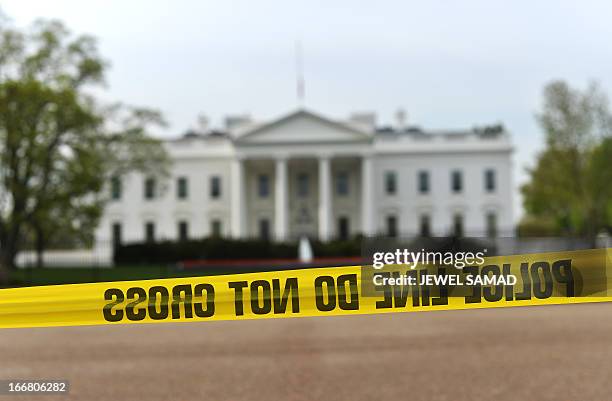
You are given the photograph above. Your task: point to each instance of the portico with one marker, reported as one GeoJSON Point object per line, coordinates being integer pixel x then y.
{"type": "Point", "coordinates": [298, 195]}
{"type": "Point", "coordinates": [321, 175]}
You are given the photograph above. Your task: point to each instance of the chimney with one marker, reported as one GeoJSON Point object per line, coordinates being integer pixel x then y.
{"type": "Point", "coordinates": [364, 120]}
{"type": "Point", "coordinates": [203, 123]}
{"type": "Point", "coordinates": [401, 117]}
{"type": "Point", "coordinates": [237, 121]}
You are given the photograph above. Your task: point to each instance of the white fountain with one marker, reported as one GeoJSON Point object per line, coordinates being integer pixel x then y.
{"type": "Point", "coordinates": [304, 250]}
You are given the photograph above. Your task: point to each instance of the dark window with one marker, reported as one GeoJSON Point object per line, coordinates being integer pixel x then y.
{"type": "Point", "coordinates": [490, 180]}
{"type": "Point", "coordinates": [116, 188]}
{"type": "Point", "coordinates": [458, 225]}
{"type": "Point", "coordinates": [343, 228]}
{"type": "Point", "coordinates": [491, 225]}
{"type": "Point", "coordinates": [182, 191]}
{"type": "Point", "coordinates": [390, 183]}
{"type": "Point", "coordinates": [302, 185]}
{"type": "Point", "coordinates": [263, 185]}
{"type": "Point", "coordinates": [264, 229]}
{"type": "Point", "coordinates": [150, 231]}
{"type": "Point", "coordinates": [342, 183]}
{"type": "Point", "coordinates": [392, 226]}
{"type": "Point", "coordinates": [215, 228]}
{"type": "Point", "coordinates": [215, 187]}
{"type": "Point", "coordinates": [425, 225]}
{"type": "Point", "coordinates": [116, 234]}
{"type": "Point", "coordinates": [149, 188]}
{"type": "Point", "coordinates": [183, 230]}
{"type": "Point", "coordinates": [456, 181]}
{"type": "Point", "coordinates": [424, 182]}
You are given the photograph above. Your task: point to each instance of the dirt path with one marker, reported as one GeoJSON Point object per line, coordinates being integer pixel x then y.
{"type": "Point", "coordinates": [533, 353]}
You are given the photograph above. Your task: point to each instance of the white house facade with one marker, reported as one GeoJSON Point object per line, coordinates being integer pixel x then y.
{"type": "Point", "coordinates": [307, 175]}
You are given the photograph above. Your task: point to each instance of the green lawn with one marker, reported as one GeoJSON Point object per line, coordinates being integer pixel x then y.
{"type": "Point", "coordinates": [75, 275]}
{"type": "Point", "coordinates": [51, 276]}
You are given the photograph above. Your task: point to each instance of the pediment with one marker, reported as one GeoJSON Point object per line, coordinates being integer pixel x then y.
{"type": "Point", "coordinates": [303, 127]}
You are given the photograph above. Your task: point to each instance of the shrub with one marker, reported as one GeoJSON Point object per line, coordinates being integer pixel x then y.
{"type": "Point", "coordinates": [537, 227]}
{"type": "Point", "coordinates": [167, 252]}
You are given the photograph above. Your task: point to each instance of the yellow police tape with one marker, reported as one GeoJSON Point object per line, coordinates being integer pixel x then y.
{"type": "Point", "coordinates": [542, 279]}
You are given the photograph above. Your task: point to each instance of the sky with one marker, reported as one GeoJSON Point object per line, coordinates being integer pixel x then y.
{"type": "Point", "coordinates": [448, 64]}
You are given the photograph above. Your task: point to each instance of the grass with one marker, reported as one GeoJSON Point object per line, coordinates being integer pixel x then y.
{"type": "Point", "coordinates": [75, 275]}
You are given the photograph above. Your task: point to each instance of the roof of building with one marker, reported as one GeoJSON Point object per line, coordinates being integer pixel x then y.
{"type": "Point", "coordinates": [383, 134]}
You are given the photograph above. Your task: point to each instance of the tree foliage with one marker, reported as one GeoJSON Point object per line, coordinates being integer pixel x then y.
{"type": "Point", "coordinates": [570, 183]}
{"type": "Point", "coordinates": [58, 144]}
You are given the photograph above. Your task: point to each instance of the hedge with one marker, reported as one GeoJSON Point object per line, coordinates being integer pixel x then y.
{"type": "Point", "coordinates": [165, 252]}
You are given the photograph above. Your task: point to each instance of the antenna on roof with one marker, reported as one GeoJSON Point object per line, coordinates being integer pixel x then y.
{"type": "Point", "coordinates": [299, 68]}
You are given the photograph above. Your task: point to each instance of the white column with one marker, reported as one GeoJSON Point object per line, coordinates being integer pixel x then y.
{"type": "Point", "coordinates": [237, 198]}
{"type": "Point", "coordinates": [281, 204]}
{"type": "Point", "coordinates": [324, 198]}
{"type": "Point", "coordinates": [367, 221]}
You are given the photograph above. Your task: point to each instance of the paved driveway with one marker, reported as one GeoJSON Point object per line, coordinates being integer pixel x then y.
{"type": "Point", "coordinates": [530, 353]}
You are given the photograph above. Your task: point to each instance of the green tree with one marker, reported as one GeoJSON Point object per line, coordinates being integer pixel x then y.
{"type": "Point", "coordinates": [58, 145]}
{"type": "Point", "coordinates": [570, 183]}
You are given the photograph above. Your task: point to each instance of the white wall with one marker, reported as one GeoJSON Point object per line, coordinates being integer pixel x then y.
{"type": "Point", "coordinates": [441, 203]}
{"type": "Point", "coordinates": [202, 157]}
{"type": "Point", "coordinates": [166, 210]}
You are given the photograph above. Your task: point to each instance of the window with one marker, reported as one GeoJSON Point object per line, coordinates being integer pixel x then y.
{"type": "Point", "coordinates": [458, 225]}
{"type": "Point", "coordinates": [116, 233]}
{"type": "Point", "coordinates": [302, 185]}
{"type": "Point", "coordinates": [390, 183]}
{"type": "Point", "coordinates": [456, 181]}
{"type": "Point", "coordinates": [149, 189]}
{"type": "Point", "coordinates": [115, 188]}
{"type": "Point", "coordinates": [490, 180]}
{"type": "Point", "coordinates": [342, 183]}
{"type": "Point", "coordinates": [263, 185]}
{"type": "Point", "coordinates": [183, 230]}
{"type": "Point", "coordinates": [423, 181]}
{"type": "Point", "coordinates": [264, 229]}
{"type": "Point", "coordinates": [215, 187]}
{"type": "Point", "coordinates": [392, 226]}
{"type": "Point", "coordinates": [150, 231]}
{"type": "Point", "coordinates": [491, 225]}
{"type": "Point", "coordinates": [343, 228]}
{"type": "Point", "coordinates": [425, 225]}
{"type": "Point", "coordinates": [182, 190]}
{"type": "Point", "coordinates": [215, 228]}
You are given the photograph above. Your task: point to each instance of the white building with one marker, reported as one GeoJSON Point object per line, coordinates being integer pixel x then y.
{"type": "Point", "coordinates": [304, 174]}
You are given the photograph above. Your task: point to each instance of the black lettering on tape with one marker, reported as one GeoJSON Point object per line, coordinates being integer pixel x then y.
{"type": "Point", "coordinates": [139, 295]}
{"type": "Point", "coordinates": [509, 287]}
{"type": "Point", "coordinates": [443, 298]}
{"type": "Point", "coordinates": [116, 296]}
{"type": "Point", "coordinates": [526, 293]}
{"type": "Point", "coordinates": [562, 270]}
{"type": "Point", "coordinates": [266, 306]}
{"type": "Point", "coordinates": [181, 294]}
{"type": "Point", "coordinates": [330, 290]}
{"type": "Point", "coordinates": [281, 301]}
{"type": "Point", "coordinates": [387, 301]}
{"type": "Point", "coordinates": [348, 298]}
{"type": "Point", "coordinates": [238, 286]}
{"type": "Point", "coordinates": [493, 293]}
{"type": "Point", "coordinates": [161, 293]}
{"type": "Point", "coordinates": [476, 296]}
{"type": "Point", "coordinates": [210, 300]}
{"type": "Point", "coordinates": [542, 284]}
